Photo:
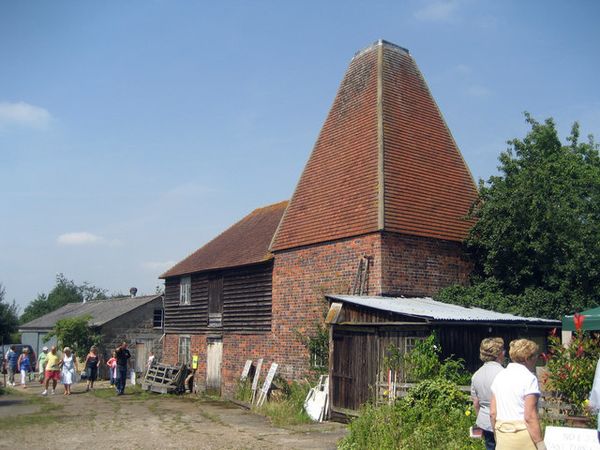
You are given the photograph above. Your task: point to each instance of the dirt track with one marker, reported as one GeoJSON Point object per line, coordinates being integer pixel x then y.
{"type": "Point", "coordinates": [145, 421]}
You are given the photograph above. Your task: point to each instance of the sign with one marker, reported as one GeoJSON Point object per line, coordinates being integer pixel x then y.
{"type": "Point", "coordinates": [195, 362]}
{"type": "Point", "coordinates": [246, 370]}
{"type": "Point", "coordinates": [267, 384]}
{"type": "Point", "coordinates": [564, 438]}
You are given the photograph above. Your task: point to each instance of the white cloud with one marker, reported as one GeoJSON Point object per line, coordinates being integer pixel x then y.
{"type": "Point", "coordinates": [438, 11]}
{"type": "Point", "coordinates": [79, 238]}
{"type": "Point", "coordinates": [24, 114]}
{"type": "Point", "coordinates": [478, 91]}
{"type": "Point", "coordinates": [158, 266]}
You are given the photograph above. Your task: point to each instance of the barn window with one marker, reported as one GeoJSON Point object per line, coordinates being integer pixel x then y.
{"type": "Point", "coordinates": [185, 351]}
{"type": "Point", "coordinates": [411, 343]}
{"type": "Point", "coordinates": [185, 291]}
{"type": "Point", "coordinates": [215, 302]}
{"type": "Point", "coordinates": [157, 319]}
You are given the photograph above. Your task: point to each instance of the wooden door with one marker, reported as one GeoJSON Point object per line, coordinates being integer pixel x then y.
{"type": "Point", "coordinates": [141, 355]}
{"type": "Point", "coordinates": [214, 358]}
{"type": "Point", "coordinates": [354, 368]}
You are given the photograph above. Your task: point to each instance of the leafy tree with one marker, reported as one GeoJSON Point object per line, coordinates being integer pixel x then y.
{"type": "Point", "coordinates": [76, 333]}
{"type": "Point", "coordinates": [9, 318]}
{"type": "Point", "coordinates": [536, 243]}
{"type": "Point", "coordinates": [65, 291]}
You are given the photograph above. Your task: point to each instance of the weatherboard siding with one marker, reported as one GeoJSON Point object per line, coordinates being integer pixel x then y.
{"type": "Point", "coordinates": [246, 302]}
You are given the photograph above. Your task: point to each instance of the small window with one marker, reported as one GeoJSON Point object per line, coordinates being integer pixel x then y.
{"type": "Point", "coordinates": [185, 351]}
{"type": "Point", "coordinates": [185, 291]}
{"type": "Point", "coordinates": [411, 343]}
{"type": "Point", "coordinates": [157, 320]}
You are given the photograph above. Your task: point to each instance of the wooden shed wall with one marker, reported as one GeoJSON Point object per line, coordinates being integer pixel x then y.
{"type": "Point", "coordinates": [246, 300]}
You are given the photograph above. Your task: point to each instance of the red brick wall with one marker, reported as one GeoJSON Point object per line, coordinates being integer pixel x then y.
{"type": "Point", "coordinates": [418, 266]}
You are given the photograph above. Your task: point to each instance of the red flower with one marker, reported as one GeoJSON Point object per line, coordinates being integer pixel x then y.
{"type": "Point", "coordinates": [553, 332]}
{"type": "Point", "coordinates": [579, 351]}
{"type": "Point", "coordinates": [545, 357]}
{"type": "Point", "coordinates": [578, 320]}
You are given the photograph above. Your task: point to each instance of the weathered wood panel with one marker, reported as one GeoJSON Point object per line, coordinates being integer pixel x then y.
{"type": "Point", "coordinates": [243, 296]}
{"type": "Point", "coordinates": [354, 368]}
{"type": "Point", "coordinates": [247, 299]}
{"type": "Point", "coordinates": [190, 318]}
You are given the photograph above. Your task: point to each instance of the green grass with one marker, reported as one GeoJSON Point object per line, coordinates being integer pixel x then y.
{"type": "Point", "coordinates": [288, 410]}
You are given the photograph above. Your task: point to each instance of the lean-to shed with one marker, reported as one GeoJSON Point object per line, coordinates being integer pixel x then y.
{"type": "Point", "coordinates": [362, 328]}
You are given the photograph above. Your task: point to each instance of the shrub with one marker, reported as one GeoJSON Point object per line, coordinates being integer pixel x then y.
{"type": "Point", "coordinates": [431, 416]}
{"type": "Point", "coordinates": [423, 363]}
{"type": "Point", "coordinates": [571, 369]}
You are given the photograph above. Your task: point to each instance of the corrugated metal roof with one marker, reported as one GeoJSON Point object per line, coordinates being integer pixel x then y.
{"type": "Point", "coordinates": [427, 308]}
{"type": "Point", "coordinates": [101, 311]}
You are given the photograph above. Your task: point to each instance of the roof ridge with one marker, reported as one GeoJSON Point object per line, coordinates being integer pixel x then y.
{"type": "Point", "coordinates": [381, 43]}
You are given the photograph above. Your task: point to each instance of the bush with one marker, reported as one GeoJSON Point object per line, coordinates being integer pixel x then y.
{"type": "Point", "coordinates": [571, 369]}
{"type": "Point", "coordinates": [435, 414]}
{"type": "Point", "coordinates": [423, 363]}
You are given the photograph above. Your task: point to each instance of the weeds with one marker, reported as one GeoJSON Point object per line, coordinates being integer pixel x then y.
{"type": "Point", "coordinates": [289, 409]}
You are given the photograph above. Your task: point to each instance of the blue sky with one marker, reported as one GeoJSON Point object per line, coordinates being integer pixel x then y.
{"type": "Point", "coordinates": [131, 133]}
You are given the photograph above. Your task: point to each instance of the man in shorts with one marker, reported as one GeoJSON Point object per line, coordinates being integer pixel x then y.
{"type": "Point", "coordinates": [52, 370]}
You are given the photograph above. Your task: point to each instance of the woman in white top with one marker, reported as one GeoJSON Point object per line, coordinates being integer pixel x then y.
{"type": "Point", "coordinates": [69, 369]}
{"type": "Point", "coordinates": [515, 394]}
{"type": "Point", "coordinates": [595, 395]}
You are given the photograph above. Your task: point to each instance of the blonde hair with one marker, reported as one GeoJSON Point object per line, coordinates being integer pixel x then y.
{"type": "Point", "coordinates": [66, 349]}
{"type": "Point", "coordinates": [522, 349]}
{"type": "Point", "coordinates": [491, 348]}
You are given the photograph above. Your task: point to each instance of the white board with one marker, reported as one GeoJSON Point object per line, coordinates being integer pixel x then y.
{"type": "Point", "coordinates": [256, 377]}
{"type": "Point", "coordinates": [565, 438]}
{"type": "Point", "coordinates": [267, 384]}
{"type": "Point", "coordinates": [246, 370]}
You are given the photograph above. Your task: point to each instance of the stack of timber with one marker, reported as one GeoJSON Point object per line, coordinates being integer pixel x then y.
{"type": "Point", "coordinates": [165, 379]}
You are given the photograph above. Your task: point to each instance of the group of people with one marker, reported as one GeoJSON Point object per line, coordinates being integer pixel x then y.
{"type": "Point", "coordinates": [506, 399]}
{"type": "Point", "coordinates": [53, 368]}
{"type": "Point", "coordinates": [18, 363]}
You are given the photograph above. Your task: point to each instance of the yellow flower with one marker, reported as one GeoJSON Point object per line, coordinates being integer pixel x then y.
{"type": "Point", "coordinates": [468, 412]}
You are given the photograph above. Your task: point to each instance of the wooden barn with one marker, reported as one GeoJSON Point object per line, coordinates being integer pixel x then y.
{"type": "Point", "coordinates": [363, 328]}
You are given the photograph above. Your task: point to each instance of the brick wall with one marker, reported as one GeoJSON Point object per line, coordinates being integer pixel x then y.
{"type": "Point", "coordinates": [418, 266]}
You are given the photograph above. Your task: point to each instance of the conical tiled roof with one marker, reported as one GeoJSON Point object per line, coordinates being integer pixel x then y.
{"type": "Point", "coordinates": [384, 160]}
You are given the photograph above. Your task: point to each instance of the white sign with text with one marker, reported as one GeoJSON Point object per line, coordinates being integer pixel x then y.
{"type": "Point", "coordinates": [564, 438]}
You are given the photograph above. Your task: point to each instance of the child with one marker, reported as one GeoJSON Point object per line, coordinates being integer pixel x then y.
{"type": "Point", "coordinates": [112, 367]}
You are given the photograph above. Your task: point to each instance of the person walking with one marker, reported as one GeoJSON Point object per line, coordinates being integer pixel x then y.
{"type": "Point", "coordinates": [123, 356]}
{"type": "Point", "coordinates": [41, 364]}
{"type": "Point", "coordinates": [69, 369]}
{"type": "Point", "coordinates": [92, 361]}
{"type": "Point", "coordinates": [52, 371]}
{"type": "Point", "coordinates": [595, 395]}
{"type": "Point", "coordinates": [514, 405]}
{"type": "Point", "coordinates": [491, 352]}
{"type": "Point", "coordinates": [24, 366]}
{"type": "Point", "coordinates": [12, 357]}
